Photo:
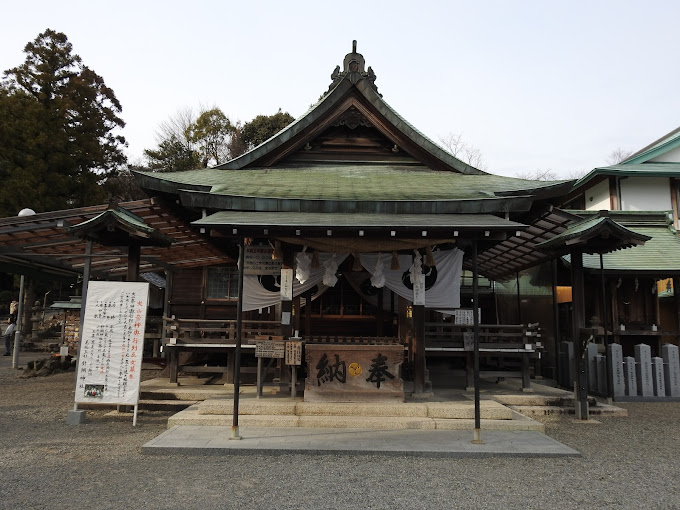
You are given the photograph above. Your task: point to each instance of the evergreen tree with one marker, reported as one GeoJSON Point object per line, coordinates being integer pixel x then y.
{"type": "Point", "coordinates": [58, 124]}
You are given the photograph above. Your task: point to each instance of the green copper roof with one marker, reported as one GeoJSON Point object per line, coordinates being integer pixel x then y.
{"type": "Point", "coordinates": [630, 170]}
{"type": "Point", "coordinates": [659, 256]}
{"type": "Point", "coordinates": [124, 220]}
{"type": "Point", "coordinates": [599, 234]}
{"type": "Point", "coordinates": [662, 145]}
{"type": "Point", "coordinates": [356, 221]}
{"type": "Point", "coordinates": [345, 182]}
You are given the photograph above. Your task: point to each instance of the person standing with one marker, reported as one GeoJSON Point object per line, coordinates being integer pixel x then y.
{"type": "Point", "coordinates": [9, 332]}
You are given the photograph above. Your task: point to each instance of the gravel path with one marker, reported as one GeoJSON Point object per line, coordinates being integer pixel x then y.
{"type": "Point", "coordinates": [629, 462]}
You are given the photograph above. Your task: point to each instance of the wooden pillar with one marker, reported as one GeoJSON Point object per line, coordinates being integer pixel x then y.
{"type": "Point", "coordinates": [605, 324]}
{"type": "Point", "coordinates": [519, 300]}
{"type": "Point", "coordinates": [556, 323]}
{"type": "Point", "coordinates": [613, 294]}
{"type": "Point", "coordinates": [676, 300]}
{"type": "Point", "coordinates": [419, 349]}
{"type": "Point", "coordinates": [308, 313]}
{"type": "Point", "coordinates": [134, 253]}
{"type": "Point", "coordinates": [578, 321]}
{"type": "Point", "coordinates": [296, 314]}
{"type": "Point", "coordinates": [287, 306]}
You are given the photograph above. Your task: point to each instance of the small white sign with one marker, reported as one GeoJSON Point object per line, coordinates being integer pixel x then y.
{"type": "Point", "coordinates": [468, 341]}
{"type": "Point", "coordinates": [286, 284]}
{"type": "Point", "coordinates": [419, 290]}
{"type": "Point", "coordinates": [465, 316]}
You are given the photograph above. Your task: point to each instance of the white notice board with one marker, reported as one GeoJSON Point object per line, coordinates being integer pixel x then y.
{"type": "Point", "coordinates": [112, 343]}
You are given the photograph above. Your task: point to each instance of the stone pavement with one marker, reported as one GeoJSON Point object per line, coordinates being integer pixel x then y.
{"type": "Point", "coordinates": [212, 440]}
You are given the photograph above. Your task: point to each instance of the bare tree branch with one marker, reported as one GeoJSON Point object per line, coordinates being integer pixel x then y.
{"type": "Point", "coordinates": [540, 174]}
{"type": "Point", "coordinates": [618, 155]}
{"type": "Point", "coordinates": [454, 143]}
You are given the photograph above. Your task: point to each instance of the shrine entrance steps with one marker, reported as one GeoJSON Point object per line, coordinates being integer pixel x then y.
{"type": "Point", "coordinates": [265, 412]}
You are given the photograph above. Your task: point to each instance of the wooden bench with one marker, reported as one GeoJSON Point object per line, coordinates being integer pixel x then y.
{"type": "Point", "coordinates": [205, 336]}
{"type": "Point", "coordinates": [495, 341]}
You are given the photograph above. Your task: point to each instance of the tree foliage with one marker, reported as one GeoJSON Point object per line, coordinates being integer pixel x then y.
{"type": "Point", "coordinates": [58, 130]}
{"type": "Point", "coordinates": [263, 127]}
{"type": "Point", "coordinates": [186, 142]}
{"type": "Point", "coordinates": [172, 155]}
{"type": "Point", "coordinates": [210, 133]}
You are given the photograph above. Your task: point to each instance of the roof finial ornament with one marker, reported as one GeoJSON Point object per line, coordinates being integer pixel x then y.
{"type": "Point", "coordinates": [354, 69]}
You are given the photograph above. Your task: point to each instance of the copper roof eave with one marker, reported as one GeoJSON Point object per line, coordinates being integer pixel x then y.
{"type": "Point", "coordinates": [101, 228]}
{"type": "Point", "coordinates": [519, 252]}
{"type": "Point", "coordinates": [42, 240]}
{"type": "Point", "coordinates": [196, 199]}
{"type": "Point", "coordinates": [599, 234]}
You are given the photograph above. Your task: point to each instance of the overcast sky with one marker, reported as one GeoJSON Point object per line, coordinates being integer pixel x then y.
{"type": "Point", "coordinates": [531, 84]}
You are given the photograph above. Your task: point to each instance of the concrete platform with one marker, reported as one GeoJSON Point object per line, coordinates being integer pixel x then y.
{"type": "Point", "coordinates": [211, 440]}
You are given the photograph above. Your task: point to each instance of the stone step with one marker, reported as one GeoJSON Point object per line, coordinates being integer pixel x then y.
{"type": "Point", "coordinates": [165, 405]}
{"type": "Point", "coordinates": [539, 400]}
{"type": "Point", "coordinates": [192, 416]}
{"type": "Point", "coordinates": [446, 410]}
{"type": "Point", "coordinates": [598, 410]}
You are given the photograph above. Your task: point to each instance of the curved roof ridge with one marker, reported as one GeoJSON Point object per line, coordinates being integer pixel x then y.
{"type": "Point", "coordinates": [353, 77]}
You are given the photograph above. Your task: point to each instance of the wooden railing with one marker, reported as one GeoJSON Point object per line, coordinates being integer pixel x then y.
{"type": "Point", "coordinates": [206, 336]}
{"type": "Point", "coordinates": [498, 342]}
{"type": "Point", "coordinates": [491, 336]}
{"type": "Point", "coordinates": [352, 340]}
{"type": "Point", "coordinates": [215, 331]}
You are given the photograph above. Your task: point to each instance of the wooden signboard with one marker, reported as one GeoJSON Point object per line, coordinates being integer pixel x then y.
{"type": "Point", "coordinates": [258, 260]}
{"type": "Point", "coordinates": [294, 352]}
{"type": "Point", "coordinates": [270, 349]}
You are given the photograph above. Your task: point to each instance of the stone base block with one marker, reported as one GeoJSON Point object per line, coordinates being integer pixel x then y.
{"type": "Point", "coordinates": [76, 417]}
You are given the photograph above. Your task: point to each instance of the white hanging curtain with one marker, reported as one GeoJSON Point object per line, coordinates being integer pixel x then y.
{"type": "Point", "coordinates": [261, 291]}
{"type": "Point", "coordinates": [442, 282]}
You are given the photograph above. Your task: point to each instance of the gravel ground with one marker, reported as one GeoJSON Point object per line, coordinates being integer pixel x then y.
{"type": "Point", "coordinates": [627, 463]}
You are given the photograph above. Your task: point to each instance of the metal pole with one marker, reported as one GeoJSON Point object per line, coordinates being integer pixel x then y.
{"type": "Point", "coordinates": [475, 321]}
{"type": "Point", "coordinates": [86, 281]}
{"type": "Point", "coordinates": [17, 332]}
{"type": "Point", "coordinates": [237, 350]}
